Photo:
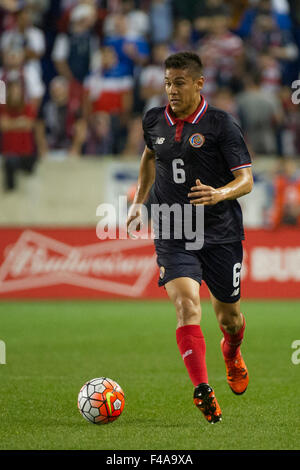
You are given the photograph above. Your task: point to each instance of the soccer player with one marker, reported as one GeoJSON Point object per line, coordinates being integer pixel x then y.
{"type": "Point", "coordinates": [195, 155]}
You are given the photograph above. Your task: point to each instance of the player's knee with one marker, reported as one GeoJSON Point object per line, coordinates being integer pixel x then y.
{"type": "Point", "coordinates": [188, 310]}
{"type": "Point", "coordinates": [230, 320]}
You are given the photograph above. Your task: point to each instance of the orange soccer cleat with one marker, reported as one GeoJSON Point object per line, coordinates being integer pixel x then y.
{"type": "Point", "coordinates": [205, 400]}
{"type": "Point", "coordinates": [237, 373]}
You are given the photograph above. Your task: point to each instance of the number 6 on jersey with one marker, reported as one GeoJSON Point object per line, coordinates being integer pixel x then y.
{"type": "Point", "coordinates": [178, 171]}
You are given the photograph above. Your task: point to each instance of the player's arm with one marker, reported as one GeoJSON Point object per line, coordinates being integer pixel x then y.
{"type": "Point", "coordinates": [207, 195]}
{"type": "Point", "coordinates": [145, 181]}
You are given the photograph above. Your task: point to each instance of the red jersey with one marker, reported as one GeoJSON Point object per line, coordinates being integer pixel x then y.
{"type": "Point", "coordinates": [17, 142]}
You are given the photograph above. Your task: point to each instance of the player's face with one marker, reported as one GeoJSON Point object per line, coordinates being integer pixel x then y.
{"type": "Point", "coordinates": [183, 91]}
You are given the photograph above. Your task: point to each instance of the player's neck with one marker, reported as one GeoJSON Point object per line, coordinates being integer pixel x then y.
{"type": "Point", "coordinates": [187, 112]}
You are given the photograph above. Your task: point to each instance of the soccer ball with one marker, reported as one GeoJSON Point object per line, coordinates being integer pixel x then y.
{"type": "Point", "coordinates": [101, 400]}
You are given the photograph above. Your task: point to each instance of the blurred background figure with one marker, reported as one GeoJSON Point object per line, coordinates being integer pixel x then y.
{"type": "Point", "coordinates": [286, 202]}
{"type": "Point", "coordinates": [131, 50]}
{"type": "Point", "coordinates": [67, 8]}
{"type": "Point", "coordinates": [161, 20]}
{"type": "Point", "coordinates": [99, 138]}
{"type": "Point", "coordinates": [58, 124]}
{"type": "Point", "coordinates": [135, 142]}
{"type": "Point", "coordinates": [260, 115]}
{"type": "Point", "coordinates": [137, 18]}
{"type": "Point", "coordinates": [73, 52]}
{"type": "Point", "coordinates": [290, 128]}
{"type": "Point", "coordinates": [266, 37]}
{"type": "Point", "coordinates": [206, 10]}
{"type": "Point", "coordinates": [225, 99]}
{"type": "Point", "coordinates": [24, 35]}
{"type": "Point", "coordinates": [151, 83]}
{"type": "Point", "coordinates": [223, 55]}
{"type": "Point", "coordinates": [182, 37]}
{"type": "Point", "coordinates": [14, 67]}
{"type": "Point", "coordinates": [110, 93]}
{"type": "Point", "coordinates": [17, 120]}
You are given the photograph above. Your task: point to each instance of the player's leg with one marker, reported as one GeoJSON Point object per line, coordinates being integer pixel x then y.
{"type": "Point", "coordinates": [221, 272]}
{"type": "Point", "coordinates": [184, 294]}
{"type": "Point", "coordinates": [232, 324]}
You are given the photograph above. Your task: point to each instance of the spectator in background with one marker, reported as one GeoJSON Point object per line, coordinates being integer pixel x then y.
{"type": "Point", "coordinates": [68, 7]}
{"type": "Point", "coordinates": [222, 53]}
{"type": "Point", "coordinates": [224, 99]}
{"type": "Point", "coordinates": [131, 51]}
{"type": "Point", "coordinates": [270, 73]}
{"type": "Point", "coordinates": [132, 54]}
{"type": "Point", "coordinates": [295, 18]}
{"type": "Point", "coordinates": [59, 127]}
{"type": "Point", "coordinates": [17, 120]}
{"type": "Point", "coordinates": [266, 37]}
{"type": "Point", "coordinates": [107, 93]}
{"type": "Point", "coordinates": [10, 5]}
{"type": "Point", "coordinates": [182, 38]}
{"type": "Point", "coordinates": [151, 83]}
{"type": "Point", "coordinates": [99, 138]}
{"type": "Point", "coordinates": [186, 9]}
{"type": "Point", "coordinates": [137, 18]}
{"type": "Point", "coordinates": [26, 36]}
{"type": "Point", "coordinates": [14, 68]}
{"type": "Point", "coordinates": [7, 10]}
{"type": "Point", "coordinates": [161, 21]}
{"type": "Point", "coordinates": [286, 201]}
{"type": "Point", "coordinates": [268, 7]}
{"type": "Point", "coordinates": [260, 115]}
{"type": "Point", "coordinates": [290, 128]}
{"type": "Point", "coordinates": [237, 8]}
{"type": "Point", "coordinates": [73, 51]}
{"type": "Point", "coordinates": [134, 142]}
{"type": "Point", "coordinates": [204, 11]}
{"type": "Point", "coordinates": [38, 8]}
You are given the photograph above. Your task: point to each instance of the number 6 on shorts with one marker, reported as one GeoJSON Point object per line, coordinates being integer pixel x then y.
{"type": "Point", "coordinates": [236, 274]}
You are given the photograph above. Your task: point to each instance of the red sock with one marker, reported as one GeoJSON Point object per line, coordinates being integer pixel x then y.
{"type": "Point", "coordinates": [232, 343]}
{"type": "Point", "coordinates": [191, 345]}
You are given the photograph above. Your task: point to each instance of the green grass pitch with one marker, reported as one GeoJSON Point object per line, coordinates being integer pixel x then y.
{"type": "Point", "coordinates": [53, 348]}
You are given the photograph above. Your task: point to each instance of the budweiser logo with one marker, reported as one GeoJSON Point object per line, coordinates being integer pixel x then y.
{"type": "Point", "coordinates": [114, 266]}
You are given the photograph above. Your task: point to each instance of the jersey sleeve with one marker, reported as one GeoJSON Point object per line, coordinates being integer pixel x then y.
{"type": "Point", "coordinates": [232, 145]}
{"type": "Point", "coordinates": [147, 122]}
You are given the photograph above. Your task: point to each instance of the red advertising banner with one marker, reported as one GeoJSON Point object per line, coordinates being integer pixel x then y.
{"type": "Point", "coordinates": [72, 263]}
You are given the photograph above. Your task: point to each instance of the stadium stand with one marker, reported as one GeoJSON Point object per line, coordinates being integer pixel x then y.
{"type": "Point", "coordinates": [90, 69]}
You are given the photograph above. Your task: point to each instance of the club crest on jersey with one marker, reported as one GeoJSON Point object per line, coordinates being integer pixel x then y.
{"type": "Point", "coordinates": [197, 140]}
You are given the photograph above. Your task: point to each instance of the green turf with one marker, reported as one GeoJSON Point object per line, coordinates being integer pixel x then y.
{"type": "Point", "coordinates": [54, 347]}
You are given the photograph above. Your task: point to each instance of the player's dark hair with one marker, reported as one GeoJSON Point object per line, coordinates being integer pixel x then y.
{"type": "Point", "coordinates": [185, 60]}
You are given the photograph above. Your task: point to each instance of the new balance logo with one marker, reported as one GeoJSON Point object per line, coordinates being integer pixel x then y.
{"type": "Point", "coordinates": [187, 353]}
{"type": "Point", "coordinates": [235, 292]}
{"type": "Point", "coordinates": [160, 140]}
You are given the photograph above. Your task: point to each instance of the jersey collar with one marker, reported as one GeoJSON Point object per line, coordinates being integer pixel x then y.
{"type": "Point", "coordinates": [192, 119]}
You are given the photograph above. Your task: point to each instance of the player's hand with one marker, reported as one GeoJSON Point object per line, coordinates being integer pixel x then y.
{"type": "Point", "coordinates": [204, 195]}
{"type": "Point", "coordinates": [134, 221]}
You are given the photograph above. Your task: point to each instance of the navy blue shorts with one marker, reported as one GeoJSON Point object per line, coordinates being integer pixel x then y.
{"type": "Point", "coordinates": [218, 265]}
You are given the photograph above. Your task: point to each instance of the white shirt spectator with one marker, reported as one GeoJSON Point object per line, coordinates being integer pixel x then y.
{"type": "Point", "coordinates": [153, 77]}
{"type": "Point", "coordinates": [138, 23]}
{"type": "Point", "coordinates": [33, 39]}
{"type": "Point", "coordinates": [34, 86]}
{"type": "Point", "coordinates": [61, 50]}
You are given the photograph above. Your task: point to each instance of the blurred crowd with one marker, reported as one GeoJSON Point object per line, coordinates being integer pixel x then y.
{"type": "Point", "coordinates": [80, 74]}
